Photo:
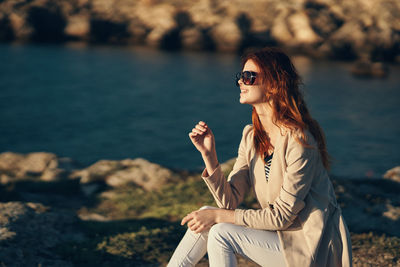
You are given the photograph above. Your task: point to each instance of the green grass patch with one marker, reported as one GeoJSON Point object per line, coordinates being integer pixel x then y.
{"type": "Point", "coordinates": [171, 203]}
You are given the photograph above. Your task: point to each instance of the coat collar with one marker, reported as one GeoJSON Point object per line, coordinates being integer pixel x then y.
{"type": "Point", "coordinates": [259, 170]}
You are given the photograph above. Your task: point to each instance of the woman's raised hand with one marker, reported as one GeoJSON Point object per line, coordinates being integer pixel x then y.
{"type": "Point", "coordinates": [203, 139]}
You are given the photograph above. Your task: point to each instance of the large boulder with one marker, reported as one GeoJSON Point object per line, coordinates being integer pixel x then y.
{"type": "Point", "coordinates": [159, 19]}
{"type": "Point", "coordinates": [227, 36]}
{"type": "Point", "coordinates": [345, 43]}
{"type": "Point", "coordinates": [303, 34]}
{"type": "Point", "coordinates": [280, 30]}
{"type": "Point", "coordinates": [37, 165]}
{"type": "Point", "coordinates": [140, 172]}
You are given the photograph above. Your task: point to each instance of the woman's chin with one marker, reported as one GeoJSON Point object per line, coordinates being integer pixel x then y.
{"type": "Point", "coordinates": [243, 101]}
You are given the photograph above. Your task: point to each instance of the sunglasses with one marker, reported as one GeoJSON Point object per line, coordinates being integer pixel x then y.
{"type": "Point", "coordinates": [248, 77]}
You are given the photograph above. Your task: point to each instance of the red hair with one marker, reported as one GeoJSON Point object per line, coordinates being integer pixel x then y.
{"type": "Point", "coordinates": [281, 83]}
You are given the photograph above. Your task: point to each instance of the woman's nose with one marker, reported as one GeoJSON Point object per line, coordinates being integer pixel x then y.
{"type": "Point", "coordinates": [240, 82]}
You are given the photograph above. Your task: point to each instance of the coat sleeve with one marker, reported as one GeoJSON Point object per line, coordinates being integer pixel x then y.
{"type": "Point", "coordinates": [228, 194]}
{"type": "Point", "coordinates": [297, 180]}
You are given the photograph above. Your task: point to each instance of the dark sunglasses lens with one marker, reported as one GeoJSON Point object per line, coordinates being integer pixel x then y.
{"type": "Point", "coordinates": [246, 76]}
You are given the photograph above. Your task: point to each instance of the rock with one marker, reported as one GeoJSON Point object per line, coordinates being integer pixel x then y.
{"type": "Point", "coordinates": [366, 68]}
{"type": "Point", "coordinates": [6, 31]}
{"type": "Point", "coordinates": [324, 18]}
{"type": "Point", "coordinates": [93, 217]}
{"type": "Point", "coordinates": [227, 36]}
{"type": "Point", "coordinates": [138, 32]}
{"type": "Point", "coordinates": [299, 25]}
{"type": "Point", "coordinates": [393, 174]}
{"type": "Point", "coordinates": [37, 165]}
{"type": "Point", "coordinates": [96, 172]}
{"type": "Point", "coordinates": [17, 23]}
{"type": "Point", "coordinates": [381, 42]}
{"type": "Point", "coordinates": [29, 232]}
{"type": "Point", "coordinates": [90, 189]}
{"type": "Point", "coordinates": [160, 20]}
{"type": "Point", "coordinates": [203, 14]}
{"type": "Point", "coordinates": [108, 31]}
{"type": "Point", "coordinates": [9, 161]}
{"type": "Point", "coordinates": [48, 23]}
{"type": "Point", "coordinates": [192, 38]}
{"type": "Point", "coordinates": [369, 204]}
{"type": "Point", "coordinates": [138, 171]}
{"type": "Point", "coordinates": [345, 43]}
{"type": "Point", "coordinates": [392, 212]}
{"type": "Point", "coordinates": [280, 30]}
{"type": "Point", "coordinates": [78, 26]}
{"type": "Point", "coordinates": [303, 25]}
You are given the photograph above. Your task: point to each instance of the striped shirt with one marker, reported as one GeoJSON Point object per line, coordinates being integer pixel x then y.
{"type": "Point", "coordinates": [267, 166]}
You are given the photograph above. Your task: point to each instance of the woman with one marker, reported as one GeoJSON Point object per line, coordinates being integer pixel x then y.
{"type": "Point", "coordinates": [282, 157]}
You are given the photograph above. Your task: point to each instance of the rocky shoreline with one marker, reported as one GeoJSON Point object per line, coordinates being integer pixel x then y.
{"type": "Point", "coordinates": [53, 212]}
{"type": "Point", "coordinates": [349, 30]}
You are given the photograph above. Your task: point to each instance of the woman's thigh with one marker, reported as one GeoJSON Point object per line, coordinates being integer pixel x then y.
{"type": "Point", "coordinates": [261, 246]}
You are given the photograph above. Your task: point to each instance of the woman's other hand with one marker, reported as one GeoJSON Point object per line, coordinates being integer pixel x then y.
{"type": "Point", "coordinates": [203, 139]}
{"type": "Point", "coordinates": [200, 220]}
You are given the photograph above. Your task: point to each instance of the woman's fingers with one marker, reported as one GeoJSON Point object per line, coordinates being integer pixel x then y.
{"type": "Point", "coordinates": [195, 130]}
{"type": "Point", "coordinates": [201, 128]}
{"type": "Point", "coordinates": [195, 228]}
{"type": "Point", "coordinates": [191, 224]}
{"type": "Point", "coordinates": [199, 229]}
{"type": "Point", "coordinates": [186, 218]}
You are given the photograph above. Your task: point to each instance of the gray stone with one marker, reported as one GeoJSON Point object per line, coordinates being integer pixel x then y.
{"type": "Point", "coordinates": [36, 165]}
{"type": "Point", "coordinates": [393, 174]}
{"type": "Point", "coordinates": [141, 172]}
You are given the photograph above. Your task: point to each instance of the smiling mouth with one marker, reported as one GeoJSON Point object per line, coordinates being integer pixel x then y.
{"type": "Point", "coordinates": [243, 91]}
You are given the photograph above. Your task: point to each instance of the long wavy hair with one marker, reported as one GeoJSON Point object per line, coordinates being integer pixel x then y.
{"type": "Point", "coordinates": [281, 84]}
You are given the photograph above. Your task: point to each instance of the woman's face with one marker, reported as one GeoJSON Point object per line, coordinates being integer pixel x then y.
{"type": "Point", "coordinates": [251, 94]}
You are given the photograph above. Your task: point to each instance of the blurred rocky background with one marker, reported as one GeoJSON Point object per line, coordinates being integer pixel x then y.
{"type": "Point", "coordinates": [55, 212]}
{"type": "Point", "coordinates": [334, 29]}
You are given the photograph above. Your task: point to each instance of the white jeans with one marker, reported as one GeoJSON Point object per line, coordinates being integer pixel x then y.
{"type": "Point", "coordinates": [223, 241]}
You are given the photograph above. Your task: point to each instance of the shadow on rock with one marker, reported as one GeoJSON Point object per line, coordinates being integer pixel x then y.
{"type": "Point", "coordinates": [370, 205]}
{"type": "Point", "coordinates": [48, 24]}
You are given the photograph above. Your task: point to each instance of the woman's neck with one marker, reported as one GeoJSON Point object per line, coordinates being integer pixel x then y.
{"type": "Point", "coordinates": [265, 114]}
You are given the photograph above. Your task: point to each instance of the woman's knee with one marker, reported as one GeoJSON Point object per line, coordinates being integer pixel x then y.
{"type": "Point", "coordinates": [220, 228]}
{"type": "Point", "coordinates": [219, 234]}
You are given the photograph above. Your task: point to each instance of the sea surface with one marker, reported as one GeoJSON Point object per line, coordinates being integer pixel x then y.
{"type": "Point", "coordinates": [100, 102]}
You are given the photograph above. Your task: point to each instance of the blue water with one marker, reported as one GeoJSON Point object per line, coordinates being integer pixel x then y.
{"type": "Point", "coordinates": [92, 103]}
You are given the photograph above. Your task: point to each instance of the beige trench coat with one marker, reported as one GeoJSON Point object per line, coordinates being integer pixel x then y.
{"type": "Point", "coordinates": [298, 201]}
